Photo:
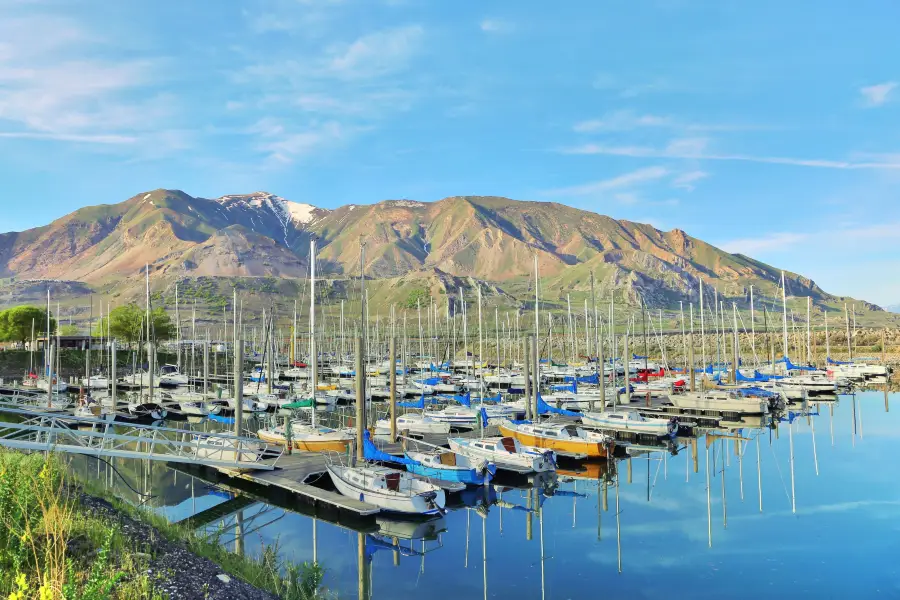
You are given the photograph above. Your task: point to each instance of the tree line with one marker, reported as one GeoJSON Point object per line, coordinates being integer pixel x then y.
{"type": "Point", "coordinates": [125, 323]}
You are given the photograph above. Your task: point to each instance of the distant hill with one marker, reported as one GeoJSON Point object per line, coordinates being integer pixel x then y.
{"type": "Point", "coordinates": [461, 241]}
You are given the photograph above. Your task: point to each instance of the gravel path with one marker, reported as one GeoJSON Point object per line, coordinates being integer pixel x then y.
{"type": "Point", "coordinates": [180, 573]}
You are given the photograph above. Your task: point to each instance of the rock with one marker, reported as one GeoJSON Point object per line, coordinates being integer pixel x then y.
{"type": "Point", "coordinates": [224, 578]}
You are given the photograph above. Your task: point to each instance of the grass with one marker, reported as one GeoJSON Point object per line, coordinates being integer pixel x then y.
{"type": "Point", "coordinates": [267, 572]}
{"type": "Point", "coordinates": [53, 549]}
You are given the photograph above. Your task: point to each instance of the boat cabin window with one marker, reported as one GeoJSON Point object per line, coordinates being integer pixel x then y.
{"type": "Point", "coordinates": [615, 417]}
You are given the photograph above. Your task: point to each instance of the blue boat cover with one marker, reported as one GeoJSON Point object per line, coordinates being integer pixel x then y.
{"type": "Point", "coordinates": [371, 452]}
{"type": "Point", "coordinates": [568, 387]}
{"type": "Point", "coordinates": [544, 408]}
{"type": "Point", "coordinates": [838, 362]}
{"type": "Point", "coordinates": [419, 404]}
{"type": "Point", "coordinates": [792, 367]}
{"type": "Point", "coordinates": [755, 391]}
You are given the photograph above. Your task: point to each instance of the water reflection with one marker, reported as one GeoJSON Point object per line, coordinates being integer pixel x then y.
{"type": "Point", "coordinates": [715, 527]}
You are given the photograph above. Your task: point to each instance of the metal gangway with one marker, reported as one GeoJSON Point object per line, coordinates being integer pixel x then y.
{"type": "Point", "coordinates": [54, 432]}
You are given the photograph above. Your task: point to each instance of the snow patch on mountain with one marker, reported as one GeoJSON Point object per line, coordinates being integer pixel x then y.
{"type": "Point", "coordinates": [286, 212]}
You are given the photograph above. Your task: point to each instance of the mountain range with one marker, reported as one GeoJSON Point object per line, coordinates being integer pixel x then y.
{"type": "Point", "coordinates": [461, 241]}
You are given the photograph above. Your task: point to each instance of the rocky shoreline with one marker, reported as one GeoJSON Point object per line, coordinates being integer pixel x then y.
{"type": "Point", "coordinates": [175, 570]}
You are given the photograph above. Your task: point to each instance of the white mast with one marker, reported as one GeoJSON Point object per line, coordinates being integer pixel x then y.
{"type": "Point", "coordinates": [752, 324]}
{"type": "Point", "coordinates": [702, 332]}
{"type": "Point", "coordinates": [784, 315]}
{"type": "Point", "coordinates": [808, 330]}
{"type": "Point", "coordinates": [537, 325]}
{"type": "Point", "coordinates": [313, 353]}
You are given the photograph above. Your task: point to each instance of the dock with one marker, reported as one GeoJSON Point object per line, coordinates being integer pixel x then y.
{"type": "Point", "coordinates": [296, 474]}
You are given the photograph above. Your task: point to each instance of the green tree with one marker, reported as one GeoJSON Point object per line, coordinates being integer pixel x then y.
{"type": "Point", "coordinates": [415, 296]}
{"type": "Point", "coordinates": [16, 323]}
{"type": "Point", "coordinates": [69, 330]}
{"type": "Point", "coordinates": [127, 324]}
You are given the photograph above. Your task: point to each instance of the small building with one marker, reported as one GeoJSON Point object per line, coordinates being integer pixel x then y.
{"type": "Point", "coordinates": [72, 342]}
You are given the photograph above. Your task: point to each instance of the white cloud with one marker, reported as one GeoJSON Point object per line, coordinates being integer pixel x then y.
{"type": "Point", "coordinates": [833, 237]}
{"type": "Point", "coordinates": [640, 176]}
{"type": "Point", "coordinates": [772, 242]}
{"type": "Point", "coordinates": [876, 95]}
{"type": "Point", "coordinates": [495, 26]}
{"type": "Point", "coordinates": [285, 144]}
{"type": "Point", "coordinates": [377, 53]}
{"type": "Point", "coordinates": [623, 120]}
{"type": "Point", "coordinates": [686, 181]}
{"type": "Point", "coordinates": [695, 148]}
{"type": "Point", "coordinates": [56, 86]}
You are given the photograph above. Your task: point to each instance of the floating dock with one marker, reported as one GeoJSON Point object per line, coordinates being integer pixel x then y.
{"type": "Point", "coordinates": [297, 473]}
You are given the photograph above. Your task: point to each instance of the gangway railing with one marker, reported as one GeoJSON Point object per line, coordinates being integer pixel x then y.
{"type": "Point", "coordinates": [44, 431]}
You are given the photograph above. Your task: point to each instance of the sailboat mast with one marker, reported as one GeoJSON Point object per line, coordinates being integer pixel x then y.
{"type": "Point", "coordinates": [537, 329]}
{"type": "Point", "coordinates": [702, 332]}
{"type": "Point", "coordinates": [784, 315]}
{"type": "Point", "coordinates": [313, 352]}
{"type": "Point", "coordinates": [752, 325]}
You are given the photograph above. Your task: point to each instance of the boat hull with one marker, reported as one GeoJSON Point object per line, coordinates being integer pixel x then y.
{"type": "Point", "coordinates": [414, 504]}
{"type": "Point", "coordinates": [589, 449]}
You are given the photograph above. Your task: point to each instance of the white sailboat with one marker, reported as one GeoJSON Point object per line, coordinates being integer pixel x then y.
{"type": "Point", "coordinates": [389, 489]}
{"type": "Point", "coordinates": [507, 453]}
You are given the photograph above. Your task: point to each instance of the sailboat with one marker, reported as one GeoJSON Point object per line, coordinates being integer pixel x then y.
{"type": "Point", "coordinates": [562, 438]}
{"type": "Point", "coordinates": [630, 421]}
{"type": "Point", "coordinates": [309, 438]}
{"type": "Point", "coordinates": [443, 465]}
{"type": "Point", "coordinates": [389, 489]}
{"type": "Point", "coordinates": [414, 423]}
{"type": "Point", "coordinates": [506, 452]}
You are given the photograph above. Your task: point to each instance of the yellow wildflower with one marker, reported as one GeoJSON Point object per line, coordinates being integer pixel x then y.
{"type": "Point", "coordinates": [45, 592]}
{"type": "Point", "coordinates": [21, 582]}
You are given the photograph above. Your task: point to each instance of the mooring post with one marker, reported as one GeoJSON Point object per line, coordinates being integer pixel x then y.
{"type": "Point", "coordinates": [536, 388]}
{"type": "Point", "coordinates": [690, 366]}
{"type": "Point", "coordinates": [360, 400]}
{"type": "Point", "coordinates": [112, 371]}
{"type": "Point", "coordinates": [50, 377]}
{"type": "Point", "coordinates": [627, 365]}
{"type": "Point", "coordinates": [601, 366]}
{"type": "Point", "coordinates": [393, 384]}
{"type": "Point", "coordinates": [528, 353]}
{"type": "Point", "coordinates": [151, 367]}
{"type": "Point", "coordinates": [205, 369]}
{"type": "Point", "coordinates": [238, 385]}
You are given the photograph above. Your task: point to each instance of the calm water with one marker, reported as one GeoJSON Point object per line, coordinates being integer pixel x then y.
{"type": "Point", "coordinates": [672, 538]}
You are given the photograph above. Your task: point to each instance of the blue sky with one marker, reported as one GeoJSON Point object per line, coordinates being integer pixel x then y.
{"type": "Point", "coordinates": [770, 128]}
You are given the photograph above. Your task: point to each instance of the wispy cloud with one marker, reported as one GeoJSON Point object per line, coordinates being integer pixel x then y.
{"type": "Point", "coordinates": [57, 87]}
{"type": "Point", "coordinates": [495, 26]}
{"type": "Point", "coordinates": [284, 144]}
{"type": "Point", "coordinates": [626, 180]}
{"type": "Point", "coordinates": [772, 243]}
{"type": "Point", "coordinates": [628, 120]}
{"type": "Point", "coordinates": [695, 148]}
{"type": "Point", "coordinates": [377, 53]}
{"type": "Point", "coordinates": [686, 181]}
{"type": "Point", "coordinates": [878, 94]}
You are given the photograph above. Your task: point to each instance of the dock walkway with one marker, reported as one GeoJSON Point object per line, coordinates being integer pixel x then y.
{"type": "Point", "coordinates": [297, 473]}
